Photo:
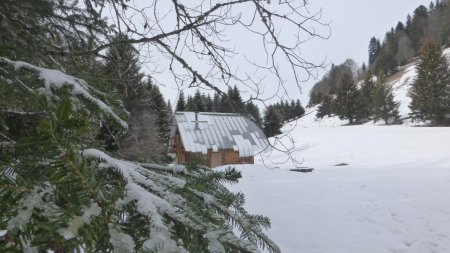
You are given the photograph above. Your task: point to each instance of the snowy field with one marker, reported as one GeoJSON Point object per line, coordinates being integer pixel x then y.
{"type": "Point", "coordinates": [394, 196]}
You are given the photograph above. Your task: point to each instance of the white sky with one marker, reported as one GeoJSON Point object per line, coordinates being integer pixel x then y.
{"type": "Point", "coordinates": [353, 23]}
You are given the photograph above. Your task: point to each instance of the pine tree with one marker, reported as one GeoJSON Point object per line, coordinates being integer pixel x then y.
{"type": "Point", "coordinates": [367, 92]}
{"type": "Point", "coordinates": [123, 68]}
{"type": "Point", "coordinates": [253, 110]}
{"type": "Point", "coordinates": [374, 49]}
{"type": "Point", "coordinates": [299, 110]}
{"type": "Point", "coordinates": [197, 101]}
{"type": "Point", "coordinates": [169, 108]}
{"type": "Point", "coordinates": [181, 103]}
{"type": "Point", "coordinates": [208, 103]}
{"type": "Point", "coordinates": [417, 27]}
{"type": "Point", "coordinates": [292, 112]}
{"type": "Point", "coordinates": [144, 102]}
{"type": "Point", "coordinates": [236, 100]}
{"type": "Point", "coordinates": [225, 104]}
{"type": "Point", "coordinates": [348, 99]}
{"type": "Point", "coordinates": [430, 91]}
{"type": "Point", "coordinates": [162, 117]}
{"type": "Point", "coordinates": [273, 121]}
{"type": "Point", "coordinates": [363, 68]}
{"type": "Point", "coordinates": [126, 82]}
{"type": "Point", "coordinates": [325, 107]}
{"type": "Point", "coordinates": [190, 105]}
{"type": "Point", "coordinates": [217, 101]}
{"type": "Point", "coordinates": [383, 105]}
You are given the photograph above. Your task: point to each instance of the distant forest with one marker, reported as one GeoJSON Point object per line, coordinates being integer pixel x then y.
{"type": "Point", "coordinates": [400, 44]}
{"type": "Point", "coordinates": [271, 122]}
{"type": "Point", "coordinates": [363, 94]}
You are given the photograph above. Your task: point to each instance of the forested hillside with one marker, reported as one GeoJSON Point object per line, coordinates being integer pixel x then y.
{"type": "Point", "coordinates": [364, 94]}
{"type": "Point", "coordinates": [400, 45]}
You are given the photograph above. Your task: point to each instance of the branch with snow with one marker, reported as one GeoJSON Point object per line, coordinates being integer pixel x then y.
{"type": "Point", "coordinates": [55, 79]}
{"type": "Point", "coordinates": [164, 196]}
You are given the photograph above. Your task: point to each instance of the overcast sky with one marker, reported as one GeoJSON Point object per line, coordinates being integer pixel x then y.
{"type": "Point", "coordinates": [353, 23]}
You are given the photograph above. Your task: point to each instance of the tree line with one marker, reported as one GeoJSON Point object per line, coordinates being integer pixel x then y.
{"type": "Point", "coordinates": [271, 122]}
{"type": "Point", "coordinates": [399, 46]}
{"type": "Point", "coordinates": [405, 41]}
{"type": "Point", "coordinates": [277, 114]}
{"type": "Point", "coordinates": [372, 98]}
{"type": "Point", "coordinates": [231, 102]}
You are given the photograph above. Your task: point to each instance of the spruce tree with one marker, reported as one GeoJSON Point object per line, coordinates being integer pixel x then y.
{"type": "Point", "coordinates": [253, 110]}
{"type": "Point", "coordinates": [144, 102]}
{"type": "Point", "coordinates": [273, 121]}
{"type": "Point", "coordinates": [348, 99]}
{"type": "Point", "coordinates": [430, 91]}
{"type": "Point", "coordinates": [383, 105]}
{"type": "Point", "coordinates": [217, 101]}
{"type": "Point", "coordinates": [299, 110]}
{"type": "Point", "coordinates": [367, 92]}
{"type": "Point", "coordinates": [374, 49]}
{"type": "Point", "coordinates": [325, 107]}
{"type": "Point", "coordinates": [190, 105]}
{"type": "Point", "coordinates": [197, 101]}
{"type": "Point", "coordinates": [169, 108]}
{"type": "Point", "coordinates": [226, 105]}
{"type": "Point", "coordinates": [236, 100]}
{"type": "Point", "coordinates": [417, 27]}
{"type": "Point", "coordinates": [181, 103]}
{"type": "Point", "coordinates": [208, 103]}
{"type": "Point", "coordinates": [123, 68]}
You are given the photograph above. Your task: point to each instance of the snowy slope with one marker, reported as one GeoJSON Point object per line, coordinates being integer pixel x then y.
{"type": "Point", "coordinates": [391, 195]}
{"type": "Point", "coordinates": [401, 83]}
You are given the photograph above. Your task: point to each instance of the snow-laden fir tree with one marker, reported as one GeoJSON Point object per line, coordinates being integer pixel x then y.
{"type": "Point", "coordinates": [58, 190]}
{"type": "Point", "coordinates": [57, 193]}
{"type": "Point", "coordinates": [148, 114]}
{"type": "Point", "coordinates": [430, 91]}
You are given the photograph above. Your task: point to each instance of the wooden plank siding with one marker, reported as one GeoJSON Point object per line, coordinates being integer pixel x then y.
{"type": "Point", "coordinates": [211, 159]}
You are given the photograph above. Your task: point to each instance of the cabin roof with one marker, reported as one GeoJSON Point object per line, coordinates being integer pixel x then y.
{"type": "Point", "coordinates": [218, 131]}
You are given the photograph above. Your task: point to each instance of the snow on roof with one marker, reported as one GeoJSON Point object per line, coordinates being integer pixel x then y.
{"type": "Point", "coordinates": [218, 131]}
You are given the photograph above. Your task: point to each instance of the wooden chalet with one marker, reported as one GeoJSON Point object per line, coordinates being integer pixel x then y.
{"type": "Point", "coordinates": [215, 139]}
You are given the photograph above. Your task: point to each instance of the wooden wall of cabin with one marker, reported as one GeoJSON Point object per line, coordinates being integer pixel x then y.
{"type": "Point", "coordinates": [230, 156]}
{"type": "Point", "coordinates": [226, 156]}
{"type": "Point", "coordinates": [213, 159]}
{"type": "Point", "coordinates": [198, 158]}
{"type": "Point", "coordinates": [247, 160]}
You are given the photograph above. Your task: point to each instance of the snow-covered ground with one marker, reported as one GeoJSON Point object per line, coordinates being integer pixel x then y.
{"type": "Point", "coordinates": [391, 195]}
{"type": "Point", "coordinates": [394, 196]}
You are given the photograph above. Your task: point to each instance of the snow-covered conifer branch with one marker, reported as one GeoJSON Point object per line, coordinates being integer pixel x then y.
{"type": "Point", "coordinates": [167, 198]}
{"type": "Point", "coordinates": [55, 79]}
